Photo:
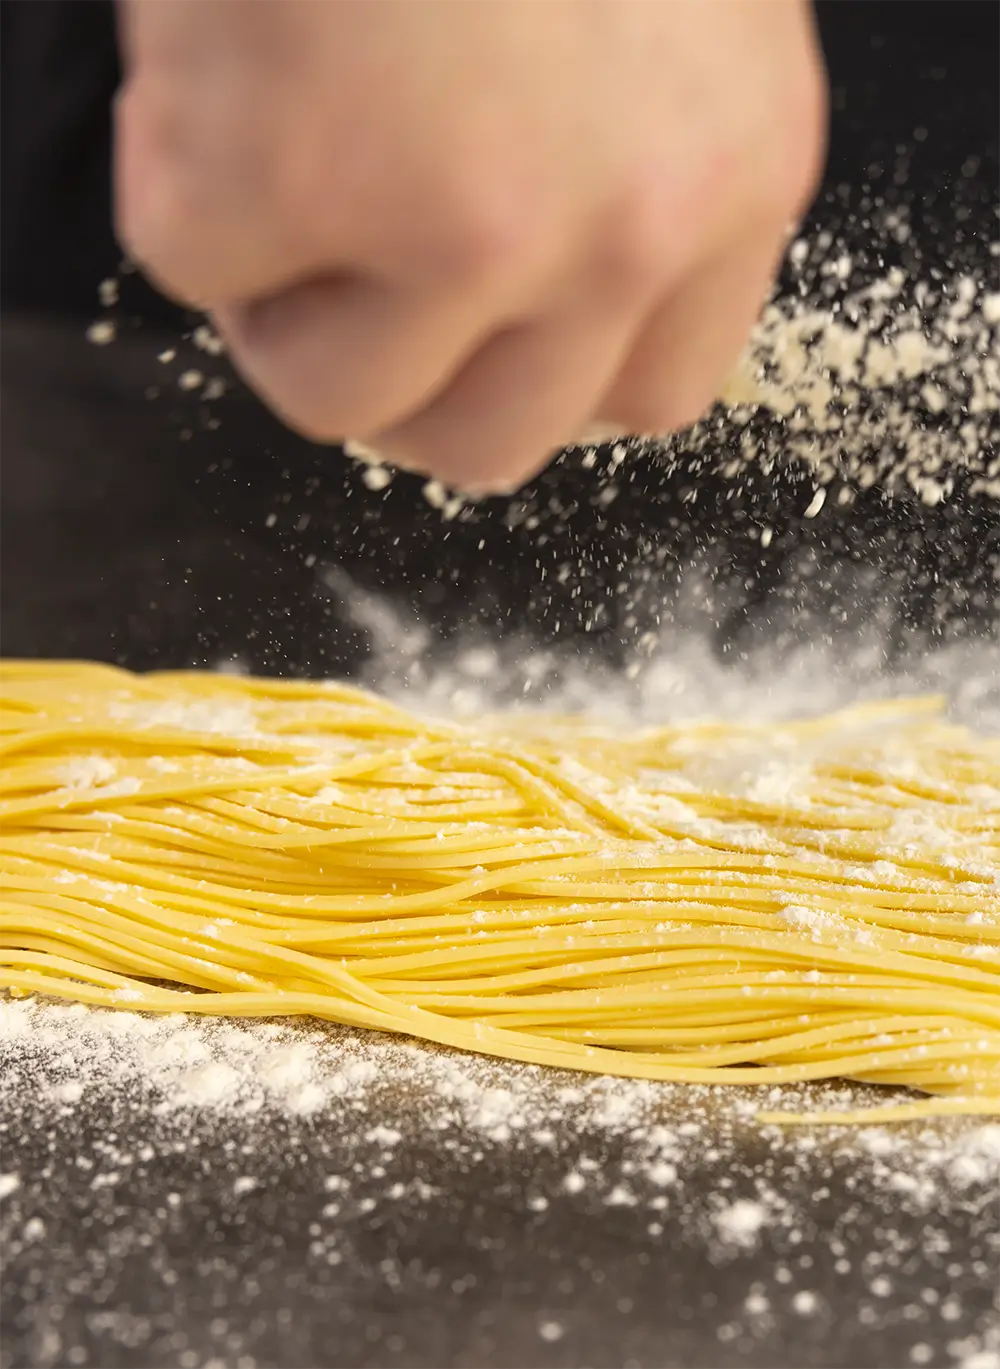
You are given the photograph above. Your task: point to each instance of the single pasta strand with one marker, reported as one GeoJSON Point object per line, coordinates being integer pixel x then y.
{"type": "Point", "coordinates": [710, 903]}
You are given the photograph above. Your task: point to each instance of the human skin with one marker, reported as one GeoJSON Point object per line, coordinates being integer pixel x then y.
{"type": "Point", "coordinates": [463, 232]}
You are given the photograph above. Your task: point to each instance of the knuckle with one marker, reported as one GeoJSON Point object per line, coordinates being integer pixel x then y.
{"type": "Point", "coordinates": [131, 176]}
{"type": "Point", "coordinates": [313, 426]}
{"type": "Point", "coordinates": [667, 409]}
{"type": "Point", "coordinates": [253, 337]}
{"type": "Point", "coordinates": [303, 409]}
{"type": "Point", "coordinates": [182, 193]}
{"type": "Point", "coordinates": [637, 247]}
{"type": "Point", "coordinates": [155, 201]}
{"type": "Point", "coordinates": [310, 410]}
{"type": "Point", "coordinates": [152, 230]}
{"type": "Point", "coordinates": [685, 409]}
{"type": "Point", "coordinates": [801, 137]}
{"type": "Point", "coordinates": [483, 230]}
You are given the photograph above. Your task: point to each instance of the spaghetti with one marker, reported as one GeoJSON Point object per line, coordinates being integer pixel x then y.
{"type": "Point", "coordinates": [713, 903]}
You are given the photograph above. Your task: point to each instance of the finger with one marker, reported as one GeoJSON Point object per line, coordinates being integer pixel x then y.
{"type": "Point", "coordinates": [689, 346]}
{"type": "Point", "coordinates": [528, 391]}
{"type": "Point", "coordinates": [202, 156]}
{"type": "Point", "coordinates": [342, 357]}
{"type": "Point", "coordinates": [197, 219]}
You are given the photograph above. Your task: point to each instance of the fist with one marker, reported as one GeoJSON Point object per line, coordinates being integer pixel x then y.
{"type": "Point", "coordinates": [465, 233]}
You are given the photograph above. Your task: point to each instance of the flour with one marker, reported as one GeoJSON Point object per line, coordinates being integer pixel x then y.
{"type": "Point", "coordinates": [741, 1222]}
{"type": "Point", "coordinates": [689, 1163]}
{"type": "Point", "coordinates": [232, 718]}
{"type": "Point", "coordinates": [668, 675]}
{"type": "Point", "coordinates": [376, 477]}
{"type": "Point", "coordinates": [798, 916]}
{"type": "Point", "coordinates": [102, 332]}
{"type": "Point", "coordinates": [182, 1066]}
{"type": "Point", "coordinates": [894, 381]}
{"type": "Point", "coordinates": [84, 772]}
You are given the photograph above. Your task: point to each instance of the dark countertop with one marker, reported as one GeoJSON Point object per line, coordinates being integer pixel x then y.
{"type": "Point", "coordinates": [421, 1215]}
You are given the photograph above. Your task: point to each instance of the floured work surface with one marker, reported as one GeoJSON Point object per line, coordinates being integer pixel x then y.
{"type": "Point", "coordinates": [201, 1193]}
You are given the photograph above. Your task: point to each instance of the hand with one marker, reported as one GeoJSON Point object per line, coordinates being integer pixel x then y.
{"type": "Point", "coordinates": [463, 231]}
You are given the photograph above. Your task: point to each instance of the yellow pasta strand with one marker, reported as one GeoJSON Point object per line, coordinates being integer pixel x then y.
{"type": "Point", "coordinates": [707, 903]}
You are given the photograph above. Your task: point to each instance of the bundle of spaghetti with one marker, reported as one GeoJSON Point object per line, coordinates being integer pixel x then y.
{"type": "Point", "coordinates": [710, 902]}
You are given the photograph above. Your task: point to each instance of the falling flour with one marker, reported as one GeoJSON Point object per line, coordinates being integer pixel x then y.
{"type": "Point", "coordinates": [740, 1222]}
{"type": "Point", "coordinates": [894, 382]}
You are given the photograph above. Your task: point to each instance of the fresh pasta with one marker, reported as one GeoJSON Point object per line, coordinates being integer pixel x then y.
{"type": "Point", "coordinates": [712, 902]}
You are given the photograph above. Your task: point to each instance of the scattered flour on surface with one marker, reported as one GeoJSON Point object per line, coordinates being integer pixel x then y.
{"type": "Point", "coordinates": [58, 1056]}
{"type": "Point", "coordinates": [740, 1223]}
